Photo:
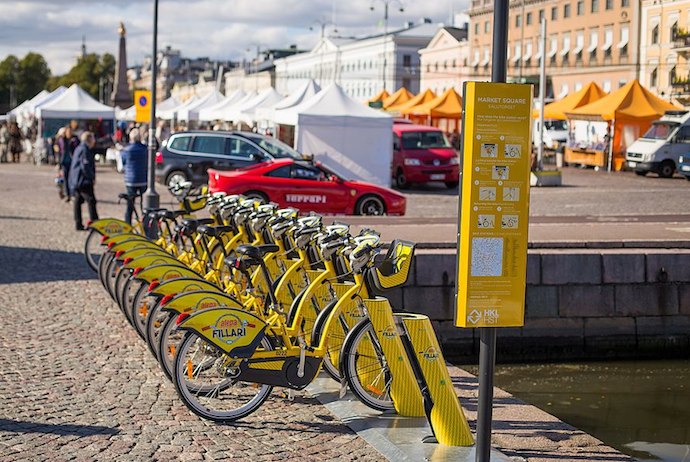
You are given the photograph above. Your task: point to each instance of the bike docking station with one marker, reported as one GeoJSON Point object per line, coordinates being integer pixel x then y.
{"type": "Point", "coordinates": [493, 225]}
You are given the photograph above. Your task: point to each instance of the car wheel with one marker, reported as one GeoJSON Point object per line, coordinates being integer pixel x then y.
{"type": "Point", "coordinates": [175, 177]}
{"type": "Point", "coordinates": [687, 178]}
{"type": "Point", "coordinates": [640, 173]}
{"type": "Point", "coordinates": [370, 205]}
{"type": "Point", "coordinates": [666, 169]}
{"type": "Point", "coordinates": [258, 195]}
{"type": "Point", "coordinates": [452, 184]}
{"type": "Point", "coordinates": [401, 181]}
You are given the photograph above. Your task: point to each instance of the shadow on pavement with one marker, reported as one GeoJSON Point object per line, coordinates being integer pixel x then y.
{"type": "Point", "coordinates": [24, 264]}
{"type": "Point", "coordinates": [19, 426]}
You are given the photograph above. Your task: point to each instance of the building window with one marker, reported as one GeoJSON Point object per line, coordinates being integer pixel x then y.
{"type": "Point", "coordinates": [518, 20]}
{"type": "Point", "coordinates": [625, 3]}
{"type": "Point", "coordinates": [445, 64]}
{"type": "Point", "coordinates": [674, 31]}
{"type": "Point", "coordinates": [407, 60]}
{"type": "Point", "coordinates": [476, 28]}
{"type": "Point", "coordinates": [609, 4]}
{"type": "Point", "coordinates": [487, 27]}
{"type": "Point", "coordinates": [566, 10]}
{"type": "Point", "coordinates": [528, 19]}
{"type": "Point", "coordinates": [653, 78]}
{"type": "Point", "coordinates": [454, 64]}
{"type": "Point", "coordinates": [406, 83]}
{"type": "Point", "coordinates": [672, 75]}
{"type": "Point", "coordinates": [541, 16]}
{"type": "Point", "coordinates": [655, 34]}
{"type": "Point", "coordinates": [580, 7]}
{"type": "Point", "coordinates": [554, 13]}
{"type": "Point", "coordinates": [595, 6]}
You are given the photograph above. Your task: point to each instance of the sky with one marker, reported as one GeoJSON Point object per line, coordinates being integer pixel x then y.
{"type": "Point", "coordinates": [219, 29]}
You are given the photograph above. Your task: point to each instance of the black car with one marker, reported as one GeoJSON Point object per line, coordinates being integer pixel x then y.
{"type": "Point", "coordinates": [188, 155]}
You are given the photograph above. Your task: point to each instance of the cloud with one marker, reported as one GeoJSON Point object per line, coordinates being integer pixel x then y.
{"type": "Point", "coordinates": [217, 29]}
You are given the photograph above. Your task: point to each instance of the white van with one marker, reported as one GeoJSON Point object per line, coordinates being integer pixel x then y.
{"type": "Point", "coordinates": [555, 133]}
{"type": "Point", "coordinates": [658, 149]}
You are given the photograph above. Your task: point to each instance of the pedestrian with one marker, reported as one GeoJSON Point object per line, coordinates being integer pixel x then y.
{"type": "Point", "coordinates": [67, 144]}
{"type": "Point", "coordinates": [15, 143]}
{"type": "Point", "coordinates": [82, 178]}
{"type": "Point", "coordinates": [4, 142]}
{"type": "Point", "coordinates": [135, 162]}
{"type": "Point", "coordinates": [162, 131]}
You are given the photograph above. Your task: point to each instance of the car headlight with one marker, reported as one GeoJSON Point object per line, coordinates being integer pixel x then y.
{"type": "Point", "coordinates": [412, 162]}
{"type": "Point", "coordinates": [454, 160]}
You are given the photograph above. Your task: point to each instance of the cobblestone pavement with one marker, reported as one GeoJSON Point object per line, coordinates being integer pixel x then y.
{"type": "Point", "coordinates": [76, 383]}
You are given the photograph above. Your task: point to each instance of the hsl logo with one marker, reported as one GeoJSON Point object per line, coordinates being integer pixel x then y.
{"type": "Point", "coordinates": [430, 354]}
{"type": "Point", "coordinates": [112, 228]}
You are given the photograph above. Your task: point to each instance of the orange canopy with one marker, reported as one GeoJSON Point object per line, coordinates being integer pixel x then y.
{"type": "Point", "coordinates": [399, 97]}
{"type": "Point", "coordinates": [631, 101]}
{"type": "Point", "coordinates": [557, 109]}
{"type": "Point", "coordinates": [448, 105]}
{"type": "Point", "coordinates": [421, 98]}
{"type": "Point", "coordinates": [380, 97]}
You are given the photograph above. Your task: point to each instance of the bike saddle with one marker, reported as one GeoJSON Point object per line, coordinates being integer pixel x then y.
{"type": "Point", "coordinates": [127, 196]}
{"type": "Point", "coordinates": [214, 231]}
{"type": "Point", "coordinates": [170, 214]}
{"type": "Point", "coordinates": [193, 223]}
{"type": "Point", "coordinates": [256, 252]}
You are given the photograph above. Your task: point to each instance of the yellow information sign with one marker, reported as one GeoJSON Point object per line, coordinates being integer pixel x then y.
{"type": "Point", "coordinates": [142, 102]}
{"type": "Point", "coordinates": [492, 244]}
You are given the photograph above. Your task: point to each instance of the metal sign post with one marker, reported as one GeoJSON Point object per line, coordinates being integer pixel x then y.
{"type": "Point", "coordinates": [151, 197]}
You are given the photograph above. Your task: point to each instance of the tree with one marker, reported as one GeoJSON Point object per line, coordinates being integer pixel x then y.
{"type": "Point", "coordinates": [22, 79]}
{"type": "Point", "coordinates": [9, 76]}
{"type": "Point", "coordinates": [90, 72]}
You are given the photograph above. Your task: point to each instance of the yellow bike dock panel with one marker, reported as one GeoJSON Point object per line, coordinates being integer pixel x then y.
{"type": "Point", "coordinates": [405, 392]}
{"type": "Point", "coordinates": [446, 417]}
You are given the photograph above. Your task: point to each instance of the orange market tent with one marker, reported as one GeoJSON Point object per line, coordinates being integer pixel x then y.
{"type": "Point", "coordinates": [403, 95]}
{"type": "Point", "coordinates": [586, 95]}
{"type": "Point", "coordinates": [380, 97]}
{"type": "Point", "coordinates": [443, 111]}
{"type": "Point", "coordinates": [421, 98]}
{"type": "Point", "coordinates": [627, 112]}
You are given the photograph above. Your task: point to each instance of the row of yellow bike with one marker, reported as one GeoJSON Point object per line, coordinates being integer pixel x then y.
{"type": "Point", "coordinates": [252, 297]}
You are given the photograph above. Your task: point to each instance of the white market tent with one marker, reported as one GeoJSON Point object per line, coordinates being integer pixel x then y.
{"type": "Point", "coordinates": [28, 105]}
{"type": "Point", "coordinates": [130, 113]}
{"type": "Point", "coordinates": [352, 139]}
{"type": "Point", "coordinates": [227, 112]}
{"type": "Point", "coordinates": [303, 93]}
{"type": "Point", "coordinates": [191, 111]}
{"type": "Point", "coordinates": [244, 112]}
{"type": "Point", "coordinates": [217, 111]}
{"type": "Point", "coordinates": [74, 103]}
{"type": "Point", "coordinates": [171, 112]}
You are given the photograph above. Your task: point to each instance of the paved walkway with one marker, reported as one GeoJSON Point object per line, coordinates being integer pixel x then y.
{"type": "Point", "coordinates": [76, 383]}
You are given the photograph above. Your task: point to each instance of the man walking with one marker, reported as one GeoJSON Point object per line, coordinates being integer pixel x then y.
{"type": "Point", "coordinates": [135, 163]}
{"type": "Point", "coordinates": [82, 178]}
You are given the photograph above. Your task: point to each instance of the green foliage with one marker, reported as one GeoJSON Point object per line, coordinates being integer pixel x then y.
{"type": "Point", "coordinates": [27, 76]}
{"type": "Point", "coordinates": [87, 73]}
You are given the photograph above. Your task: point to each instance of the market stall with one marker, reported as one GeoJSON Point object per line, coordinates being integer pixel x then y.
{"type": "Point", "coordinates": [190, 112]}
{"type": "Point", "coordinates": [421, 98]}
{"type": "Point", "coordinates": [402, 95]}
{"type": "Point", "coordinates": [377, 101]}
{"type": "Point", "coordinates": [601, 131]}
{"type": "Point", "coordinates": [444, 112]}
{"type": "Point", "coordinates": [265, 117]}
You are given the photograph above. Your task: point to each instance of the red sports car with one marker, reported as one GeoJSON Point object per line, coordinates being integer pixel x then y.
{"type": "Point", "coordinates": [310, 187]}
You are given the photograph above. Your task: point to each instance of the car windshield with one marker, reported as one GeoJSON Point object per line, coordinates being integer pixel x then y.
{"type": "Point", "coordinates": [555, 125]}
{"type": "Point", "coordinates": [660, 131]}
{"type": "Point", "coordinates": [424, 140]}
{"type": "Point", "coordinates": [276, 147]}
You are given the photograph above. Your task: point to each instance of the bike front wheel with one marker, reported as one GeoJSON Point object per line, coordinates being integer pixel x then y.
{"type": "Point", "coordinates": [93, 250]}
{"type": "Point", "coordinates": [365, 368]}
{"type": "Point", "coordinates": [208, 386]}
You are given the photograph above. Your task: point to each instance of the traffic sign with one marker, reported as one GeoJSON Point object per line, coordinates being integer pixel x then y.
{"type": "Point", "coordinates": [142, 102]}
{"type": "Point", "coordinates": [492, 242]}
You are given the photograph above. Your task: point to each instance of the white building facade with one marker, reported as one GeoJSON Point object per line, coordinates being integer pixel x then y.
{"type": "Point", "coordinates": [362, 67]}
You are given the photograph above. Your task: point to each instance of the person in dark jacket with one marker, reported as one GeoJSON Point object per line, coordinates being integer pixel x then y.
{"type": "Point", "coordinates": [135, 162]}
{"type": "Point", "coordinates": [67, 144]}
{"type": "Point", "coordinates": [82, 178]}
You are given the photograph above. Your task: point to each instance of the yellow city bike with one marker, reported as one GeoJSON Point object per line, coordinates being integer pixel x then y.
{"type": "Point", "coordinates": [227, 364]}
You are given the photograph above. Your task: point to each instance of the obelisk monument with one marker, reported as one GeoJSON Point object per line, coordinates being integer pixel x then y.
{"type": "Point", "coordinates": [121, 95]}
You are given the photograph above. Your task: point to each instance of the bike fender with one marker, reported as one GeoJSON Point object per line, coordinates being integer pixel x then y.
{"type": "Point", "coordinates": [111, 226]}
{"type": "Point", "coordinates": [192, 302]}
{"type": "Point", "coordinates": [110, 241]}
{"type": "Point", "coordinates": [235, 332]}
{"type": "Point", "coordinates": [164, 272]}
{"type": "Point", "coordinates": [128, 255]}
{"type": "Point", "coordinates": [181, 285]}
{"type": "Point", "coordinates": [144, 261]}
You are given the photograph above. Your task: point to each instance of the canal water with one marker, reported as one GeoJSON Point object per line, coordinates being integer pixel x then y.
{"type": "Point", "coordinates": [641, 408]}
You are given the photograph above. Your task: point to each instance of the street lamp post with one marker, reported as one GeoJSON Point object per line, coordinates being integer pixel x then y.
{"type": "Point", "coordinates": [386, 3]}
{"type": "Point", "coordinates": [151, 197]}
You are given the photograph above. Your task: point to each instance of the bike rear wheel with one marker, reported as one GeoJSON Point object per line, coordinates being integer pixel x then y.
{"type": "Point", "coordinates": [364, 366]}
{"type": "Point", "coordinates": [93, 250]}
{"type": "Point", "coordinates": [206, 384]}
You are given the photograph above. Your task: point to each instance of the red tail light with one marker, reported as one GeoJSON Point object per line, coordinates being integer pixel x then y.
{"type": "Point", "coordinates": [159, 157]}
{"type": "Point", "coordinates": [167, 298]}
{"type": "Point", "coordinates": [137, 270]}
{"type": "Point", "coordinates": [127, 260]}
{"type": "Point", "coordinates": [119, 253]}
{"type": "Point", "coordinates": [155, 283]}
{"type": "Point", "coordinates": [181, 318]}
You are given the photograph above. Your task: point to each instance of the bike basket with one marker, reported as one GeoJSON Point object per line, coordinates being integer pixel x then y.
{"type": "Point", "coordinates": [394, 270]}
